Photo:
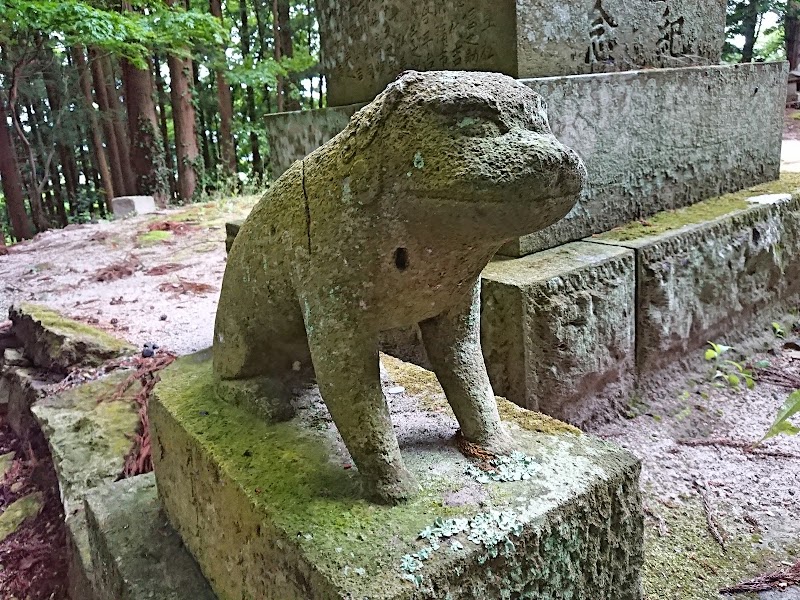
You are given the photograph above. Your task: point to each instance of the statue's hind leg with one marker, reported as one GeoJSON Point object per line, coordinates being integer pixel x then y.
{"type": "Point", "coordinates": [256, 357]}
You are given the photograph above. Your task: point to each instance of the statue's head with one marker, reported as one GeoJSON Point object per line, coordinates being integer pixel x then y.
{"type": "Point", "coordinates": [478, 139]}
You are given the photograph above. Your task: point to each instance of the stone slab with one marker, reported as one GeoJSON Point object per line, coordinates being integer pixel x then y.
{"type": "Point", "coordinates": [557, 329]}
{"type": "Point", "coordinates": [276, 512]}
{"type": "Point", "coordinates": [708, 279]}
{"type": "Point", "coordinates": [20, 388]}
{"type": "Point", "coordinates": [137, 555]}
{"type": "Point", "coordinates": [651, 140]}
{"type": "Point", "coordinates": [661, 139]}
{"type": "Point", "coordinates": [293, 135]}
{"type": "Point", "coordinates": [130, 206]}
{"type": "Point", "coordinates": [231, 231]}
{"type": "Point", "coordinates": [57, 343]}
{"type": "Point", "coordinates": [89, 436]}
{"type": "Point", "coordinates": [365, 43]}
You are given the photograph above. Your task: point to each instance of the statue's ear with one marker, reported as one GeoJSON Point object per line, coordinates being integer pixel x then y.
{"type": "Point", "coordinates": [365, 125]}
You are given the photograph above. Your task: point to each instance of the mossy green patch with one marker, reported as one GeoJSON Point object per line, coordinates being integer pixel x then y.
{"type": "Point", "coordinates": [6, 460]}
{"type": "Point", "coordinates": [18, 512]}
{"type": "Point", "coordinates": [707, 210]}
{"type": "Point", "coordinates": [70, 328]}
{"type": "Point", "coordinates": [425, 387]}
{"type": "Point", "coordinates": [89, 432]}
{"type": "Point", "coordinates": [152, 238]}
{"type": "Point", "coordinates": [688, 564]}
{"type": "Point", "coordinates": [323, 507]}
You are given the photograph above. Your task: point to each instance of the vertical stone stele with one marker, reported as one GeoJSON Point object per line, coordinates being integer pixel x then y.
{"type": "Point", "coordinates": [389, 225]}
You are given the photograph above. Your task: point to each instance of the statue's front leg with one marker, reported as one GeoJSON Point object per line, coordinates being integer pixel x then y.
{"type": "Point", "coordinates": [452, 341]}
{"type": "Point", "coordinates": [348, 373]}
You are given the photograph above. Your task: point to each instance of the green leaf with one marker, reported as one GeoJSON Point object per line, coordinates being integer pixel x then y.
{"type": "Point", "coordinates": [781, 425]}
{"type": "Point", "coordinates": [733, 380]}
{"type": "Point", "coordinates": [711, 354]}
{"type": "Point", "coordinates": [778, 329]}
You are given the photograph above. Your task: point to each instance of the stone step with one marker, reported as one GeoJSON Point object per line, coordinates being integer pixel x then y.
{"type": "Point", "coordinates": [136, 553]}
{"type": "Point", "coordinates": [275, 512]}
{"type": "Point", "coordinates": [56, 343]}
{"type": "Point", "coordinates": [644, 151]}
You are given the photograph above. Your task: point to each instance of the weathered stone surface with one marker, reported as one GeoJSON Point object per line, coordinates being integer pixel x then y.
{"type": "Point", "coordinates": [644, 150]}
{"type": "Point", "coordinates": [706, 279]}
{"type": "Point", "coordinates": [647, 151]}
{"type": "Point", "coordinates": [57, 343]}
{"type": "Point", "coordinates": [129, 206]}
{"type": "Point", "coordinates": [20, 388]}
{"type": "Point", "coordinates": [12, 357]}
{"type": "Point", "coordinates": [293, 135]}
{"type": "Point", "coordinates": [365, 43]}
{"type": "Point", "coordinates": [557, 328]}
{"type": "Point", "coordinates": [137, 555]}
{"type": "Point", "coordinates": [274, 512]}
{"type": "Point", "coordinates": [389, 225]}
{"type": "Point", "coordinates": [88, 435]}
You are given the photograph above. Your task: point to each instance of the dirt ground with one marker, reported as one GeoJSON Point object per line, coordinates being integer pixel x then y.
{"type": "Point", "coordinates": [163, 287]}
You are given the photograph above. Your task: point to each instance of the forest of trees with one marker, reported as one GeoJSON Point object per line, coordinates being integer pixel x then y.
{"type": "Point", "coordinates": [101, 98]}
{"type": "Point", "coordinates": [165, 98]}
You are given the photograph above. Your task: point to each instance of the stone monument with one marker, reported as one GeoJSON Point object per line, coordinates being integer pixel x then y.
{"type": "Point", "coordinates": [389, 225]}
{"type": "Point", "coordinates": [636, 89]}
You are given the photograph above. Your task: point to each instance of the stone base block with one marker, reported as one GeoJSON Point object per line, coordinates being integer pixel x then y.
{"type": "Point", "coordinates": [276, 512]}
{"type": "Point", "coordinates": [137, 555]}
{"type": "Point", "coordinates": [130, 206]}
{"type": "Point", "coordinates": [557, 328]}
{"type": "Point", "coordinates": [703, 277]}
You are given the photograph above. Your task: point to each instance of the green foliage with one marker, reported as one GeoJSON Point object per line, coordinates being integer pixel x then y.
{"type": "Point", "coordinates": [778, 330]}
{"type": "Point", "coordinates": [782, 426]}
{"type": "Point", "coordinates": [728, 372]}
{"type": "Point", "coordinates": [132, 35]}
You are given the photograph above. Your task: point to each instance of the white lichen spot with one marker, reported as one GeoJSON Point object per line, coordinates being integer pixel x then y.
{"type": "Point", "coordinates": [419, 162]}
{"type": "Point", "coordinates": [362, 305]}
{"type": "Point", "coordinates": [347, 194]}
{"type": "Point", "coordinates": [296, 365]}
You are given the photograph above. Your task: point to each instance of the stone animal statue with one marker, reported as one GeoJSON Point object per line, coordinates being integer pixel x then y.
{"type": "Point", "coordinates": [388, 225]}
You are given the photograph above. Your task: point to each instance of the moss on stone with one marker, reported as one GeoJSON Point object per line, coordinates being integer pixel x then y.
{"type": "Point", "coordinates": [70, 328]}
{"type": "Point", "coordinates": [532, 421]}
{"type": "Point", "coordinates": [688, 564]}
{"type": "Point", "coordinates": [6, 460]}
{"type": "Point", "coordinates": [151, 238]}
{"type": "Point", "coordinates": [17, 512]}
{"type": "Point", "coordinates": [706, 210]}
{"type": "Point", "coordinates": [89, 433]}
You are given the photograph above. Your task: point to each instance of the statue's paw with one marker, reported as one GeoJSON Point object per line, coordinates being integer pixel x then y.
{"type": "Point", "coordinates": [499, 443]}
{"type": "Point", "coordinates": [393, 488]}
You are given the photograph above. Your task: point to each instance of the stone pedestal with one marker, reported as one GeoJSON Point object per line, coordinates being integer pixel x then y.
{"type": "Point", "coordinates": [558, 329]}
{"type": "Point", "coordinates": [367, 43]}
{"type": "Point", "coordinates": [275, 512]}
{"type": "Point", "coordinates": [130, 206]}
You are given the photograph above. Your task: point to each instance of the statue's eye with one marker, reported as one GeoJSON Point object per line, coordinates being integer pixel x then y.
{"type": "Point", "coordinates": [473, 125]}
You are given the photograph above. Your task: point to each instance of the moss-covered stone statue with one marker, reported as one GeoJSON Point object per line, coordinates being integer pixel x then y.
{"type": "Point", "coordinates": [387, 225]}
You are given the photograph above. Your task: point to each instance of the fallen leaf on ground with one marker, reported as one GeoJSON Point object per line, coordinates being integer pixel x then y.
{"type": "Point", "coordinates": [186, 287]}
{"type": "Point", "coordinates": [777, 580]}
{"type": "Point", "coordinates": [165, 268]}
{"type": "Point", "coordinates": [119, 270]}
{"type": "Point", "coordinates": [178, 228]}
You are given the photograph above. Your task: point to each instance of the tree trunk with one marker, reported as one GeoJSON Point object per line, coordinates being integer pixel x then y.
{"type": "Point", "coordinates": [227, 152]}
{"type": "Point", "coordinates": [250, 99]}
{"type": "Point", "coordinates": [147, 149]}
{"type": "Point", "coordinates": [187, 152]}
{"type": "Point", "coordinates": [65, 156]}
{"type": "Point", "coordinates": [12, 182]}
{"type": "Point", "coordinates": [114, 96]}
{"type": "Point", "coordinates": [161, 94]}
{"type": "Point", "coordinates": [283, 48]}
{"type": "Point", "coordinates": [792, 28]}
{"type": "Point", "coordinates": [107, 120]}
{"type": "Point", "coordinates": [100, 160]}
{"type": "Point", "coordinates": [749, 30]}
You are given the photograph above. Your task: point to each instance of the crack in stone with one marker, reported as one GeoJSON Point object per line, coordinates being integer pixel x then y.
{"type": "Point", "coordinates": [308, 208]}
